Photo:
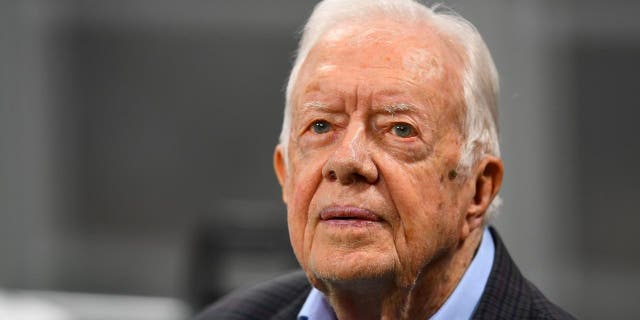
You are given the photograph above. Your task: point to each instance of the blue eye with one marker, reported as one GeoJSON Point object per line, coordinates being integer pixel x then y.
{"type": "Point", "coordinates": [320, 127]}
{"type": "Point", "coordinates": [403, 130]}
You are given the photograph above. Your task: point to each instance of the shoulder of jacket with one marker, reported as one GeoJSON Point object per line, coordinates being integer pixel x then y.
{"type": "Point", "coordinates": [262, 301]}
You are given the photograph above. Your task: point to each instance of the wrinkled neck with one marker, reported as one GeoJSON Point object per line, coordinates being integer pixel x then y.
{"type": "Point", "coordinates": [383, 299]}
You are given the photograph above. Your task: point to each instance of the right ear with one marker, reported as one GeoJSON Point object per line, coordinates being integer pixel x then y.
{"type": "Point", "coordinates": [280, 167]}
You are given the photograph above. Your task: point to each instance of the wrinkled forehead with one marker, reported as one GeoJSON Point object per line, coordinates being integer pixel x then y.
{"type": "Point", "coordinates": [417, 51]}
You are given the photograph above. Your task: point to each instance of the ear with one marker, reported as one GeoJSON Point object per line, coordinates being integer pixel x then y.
{"type": "Point", "coordinates": [486, 181]}
{"type": "Point", "coordinates": [281, 169]}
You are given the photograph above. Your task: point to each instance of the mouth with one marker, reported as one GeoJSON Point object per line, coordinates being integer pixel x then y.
{"type": "Point", "coordinates": [348, 214]}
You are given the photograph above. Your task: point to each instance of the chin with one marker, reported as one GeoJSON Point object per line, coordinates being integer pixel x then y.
{"type": "Point", "coordinates": [351, 266]}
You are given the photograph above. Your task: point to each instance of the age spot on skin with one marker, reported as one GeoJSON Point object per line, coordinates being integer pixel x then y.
{"type": "Point", "coordinates": [452, 174]}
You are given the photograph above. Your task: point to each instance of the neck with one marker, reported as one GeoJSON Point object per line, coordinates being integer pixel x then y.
{"type": "Point", "coordinates": [384, 299]}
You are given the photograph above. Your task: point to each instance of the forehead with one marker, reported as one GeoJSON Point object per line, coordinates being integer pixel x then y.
{"type": "Point", "coordinates": [383, 54]}
{"type": "Point", "coordinates": [384, 43]}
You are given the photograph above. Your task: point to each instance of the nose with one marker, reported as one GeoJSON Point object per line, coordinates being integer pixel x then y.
{"type": "Point", "coordinates": [351, 162]}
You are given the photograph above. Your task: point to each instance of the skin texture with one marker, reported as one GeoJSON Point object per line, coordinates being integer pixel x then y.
{"type": "Point", "coordinates": [375, 217]}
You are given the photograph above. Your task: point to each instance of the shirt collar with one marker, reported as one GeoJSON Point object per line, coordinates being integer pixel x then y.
{"type": "Point", "coordinates": [316, 307]}
{"type": "Point", "coordinates": [460, 305]}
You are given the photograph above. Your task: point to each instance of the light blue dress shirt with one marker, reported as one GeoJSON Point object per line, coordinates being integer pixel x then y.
{"type": "Point", "coordinates": [460, 305]}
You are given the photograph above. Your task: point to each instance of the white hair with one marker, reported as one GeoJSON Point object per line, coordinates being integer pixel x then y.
{"type": "Point", "coordinates": [479, 77]}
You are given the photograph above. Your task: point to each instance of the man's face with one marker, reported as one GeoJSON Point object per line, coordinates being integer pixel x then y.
{"type": "Point", "coordinates": [375, 135]}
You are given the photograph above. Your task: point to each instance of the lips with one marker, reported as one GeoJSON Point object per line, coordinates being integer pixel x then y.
{"type": "Point", "coordinates": [348, 213]}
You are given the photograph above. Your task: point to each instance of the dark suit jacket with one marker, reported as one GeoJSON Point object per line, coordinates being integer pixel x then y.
{"type": "Point", "coordinates": [508, 295]}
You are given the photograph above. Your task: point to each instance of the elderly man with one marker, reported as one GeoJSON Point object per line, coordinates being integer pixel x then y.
{"type": "Point", "coordinates": [389, 166]}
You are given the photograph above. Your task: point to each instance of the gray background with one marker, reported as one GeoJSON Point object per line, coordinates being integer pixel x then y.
{"type": "Point", "coordinates": [129, 127]}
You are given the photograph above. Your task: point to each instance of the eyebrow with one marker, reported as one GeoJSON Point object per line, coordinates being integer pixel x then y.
{"type": "Point", "coordinates": [315, 105]}
{"type": "Point", "coordinates": [390, 108]}
{"type": "Point", "coordinates": [396, 107]}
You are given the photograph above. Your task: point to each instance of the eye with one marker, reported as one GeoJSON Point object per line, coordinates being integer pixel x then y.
{"type": "Point", "coordinates": [320, 126]}
{"type": "Point", "coordinates": [403, 130]}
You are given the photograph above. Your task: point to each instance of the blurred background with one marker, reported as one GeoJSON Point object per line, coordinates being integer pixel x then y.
{"type": "Point", "coordinates": [136, 141]}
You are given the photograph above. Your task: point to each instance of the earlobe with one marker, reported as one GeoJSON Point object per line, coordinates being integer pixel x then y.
{"type": "Point", "coordinates": [487, 179]}
{"type": "Point", "coordinates": [280, 168]}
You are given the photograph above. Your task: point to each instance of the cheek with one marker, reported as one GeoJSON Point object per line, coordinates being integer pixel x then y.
{"type": "Point", "coordinates": [302, 185]}
{"type": "Point", "coordinates": [421, 206]}
{"type": "Point", "coordinates": [414, 186]}
{"type": "Point", "coordinates": [423, 228]}
{"type": "Point", "coordinates": [296, 226]}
